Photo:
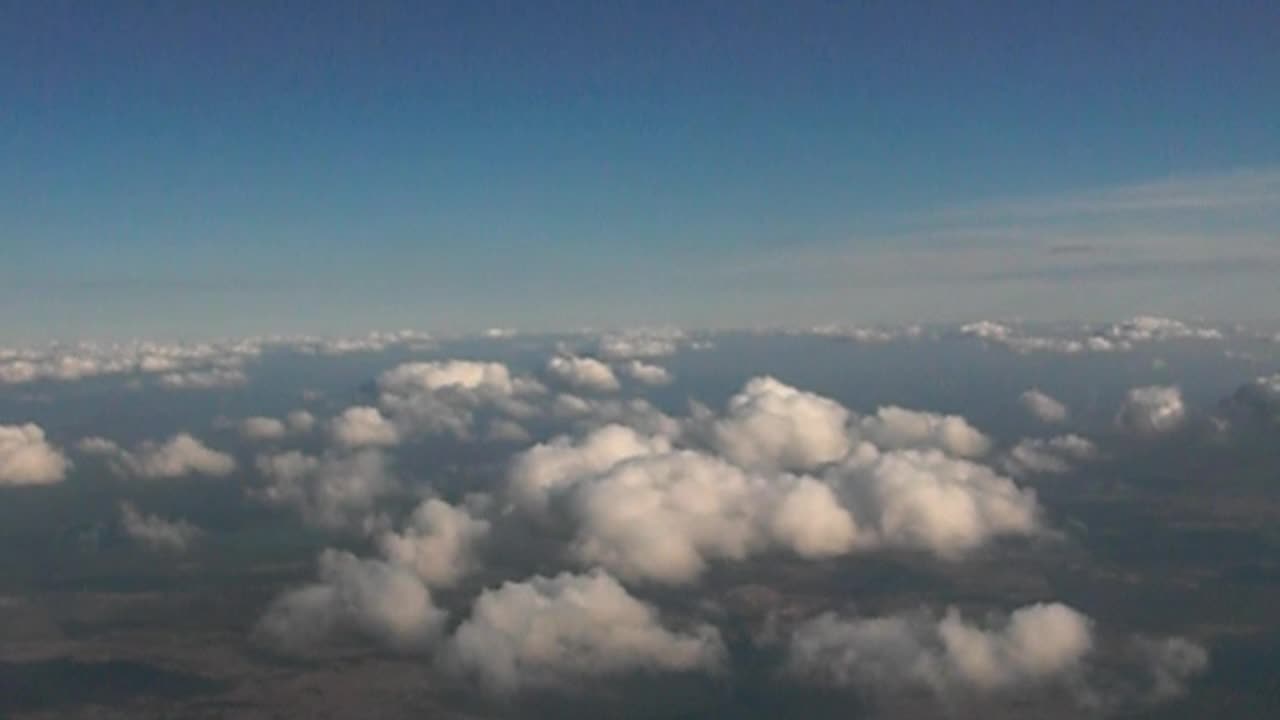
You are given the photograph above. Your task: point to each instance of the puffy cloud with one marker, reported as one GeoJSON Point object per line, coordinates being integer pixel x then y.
{"type": "Point", "coordinates": [640, 344]}
{"type": "Point", "coordinates": [437, 543]}
{"type": "Point", "coordinates": [355, 598]}
{"type": "Point", "coordinates": [27, 458]}
{"type": "Point", "coordinates": [1053, 456]}
{"type": "Point", "coordinates": [375, 341]}
{"type": "Point", "coordinates": [300, 421]}
{"type": "Point", "coordinates": [868, 334]}
{"type": "Point", "coordinates": [156, 533]}
{"type": "Point", "coordinates": [1171, 662]}
{"type": "Point", "coordinates": [1032, 645]}
{"type": "Point", "coordinates": [546, 468]}
{"type": "Point", "coordinates": [645, 373]}
{"type": "Point", "coordinates": [898, 428]}
{"type": "Point", "coordinates": [1152, 410]}
{"type": "Point", "coordinates": [558, 630]}
{"type": "Point", "coordinates": [179, 456]}
{"type": "Point", "coordinates": [443, 397]}
{"type": "Point", "coordinates": [363, 426]}
{"type": "Point", "coordinates": [211, 379]}
{"type": "Point", "coordinates": [931, 501]}
{"type": "Point", "coordinates": [262, 428]}
{"type": "Point", "coordinates": [771, 425]}
{"type": "Point", "coordinates": [1044, 407]}
{"type": "Point", "coordinates": [1147, 328]}
{"type": "Point", "coordinates": [332, 491]}
{"type": "Point", "coordinates": [583, 373]}
{"type": "Point", "coordinates": [637, 413]}
{"type": "Point", "coordinates": [180, 365]}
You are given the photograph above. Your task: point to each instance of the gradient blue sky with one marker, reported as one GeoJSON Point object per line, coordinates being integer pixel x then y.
{"type": "Point", "coordinates": [205, 169]}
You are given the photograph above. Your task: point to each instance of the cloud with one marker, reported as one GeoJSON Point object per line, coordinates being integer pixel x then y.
{"type": "Point", "coordinates": [179, 456]}
{"type": "Point", "coordinates": [266, 429]}
{"type": "Point", "coordinates": [771, 425]}
{"type": "Point", "coordinates": [444, 397]}
{"type": "Point", "coordinates": [583, 373]}
{"type": "Point", "coordinates": [211, 379]}
{"type": "Point", "coordinates": [546, 468]}
{"type": "Point", "coordinates": [1148, 328]}
{"type": "Point", "coordinates": [868, 334]}
{"type": "Point", "coordinates": [438, 543]}
{"type": "Point", "coordinates": [363, 599]}
{"type": "Point", "coordinates": [925, 499]}
{"type": "Point", "coordinates": [640, 344]}
{"type": "Point", "coordinates": [1033, 645]}
{"type": "Point", "coordinates": [262, 428]}
{"type": "Point", "coordinates": [645, 373]}
{"type": "Point", "coordinates": [335, 490]}
{"type": "Point", "coordinates": [1259, 398]}
{"type": "Point", "coordinates": [26, 458]}
{"type": "Point", "coordinates": [554, 631]}
{"type": "Point", "coordinates": [1043, 407]}
{"type": "Point", "coordinates": [156, 533]}
{"type": "Point", "coordinates": [898, 428]}
{"type": "Point", "coordinates": [1151, 410]}
{"type": "Point", "coordinates": [1171, 662]}
{"type": "Point", "coordinates": [1052, 456]}
{"type": "Point", "coordinates": [363, 426]}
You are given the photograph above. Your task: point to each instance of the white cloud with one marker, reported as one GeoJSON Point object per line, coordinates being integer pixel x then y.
{"type": "Point", "coordinates": [583, 373]}
{"type": "Point", "coordinates": [156, 533]}
{"type": "Point", "coordinates": [868, 334]}
{"type": "Point", "coordinates": [443, 397]}
{"type": "Point", "coordinates": [1152, 410]}
{"type": "Point", "coordinates": [1032, 645]}
{"type": "Point", "coordinates": [548, 632]}
{"type": "Point", "coordinates": [898, 428]}
{"type": "Point", "coordinates": [262, 428]}
{"type": "Point", "coordinates": [355, 598]}
{"type": "Point", "coordinates": [771, 425]}
{"type": "Point", "coordinates": [300, 422]}
{"type": "Point", "coordinates": [179, 456]}
{"type": "Point", "coordinates": [1043, 407]}
{"type": "Point", "coordinates": [645, 373]}
{"type": "Point", "coordinates": [640, 344]}
{"type": "Point", "coordinates": [363, 426]}
{"type": "Point", "coordinates": [27, 458]}
{"type": "Point", "coordinates": [546, 468]}
{"type": "Point", "coordinates": [1053, 456]}
{"type": "Point", "coordinates": [1260, 397]}
{"type": "Point", "coordinates": [1147, 328]}
{"type": "Point", "coordinates": [931, 501]}
{"type": "Point", "coordinates": [1171, 662]}
{"type": "Point", "coordinates": [438, 543]}
{"type": "Point", "coordinates": [332, 491]}
{"type": "Point", "coordinates": [213, 378]}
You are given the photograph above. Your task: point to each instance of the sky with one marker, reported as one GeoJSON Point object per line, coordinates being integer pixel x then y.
{"type": "Point", "coordinates": [197, 170]}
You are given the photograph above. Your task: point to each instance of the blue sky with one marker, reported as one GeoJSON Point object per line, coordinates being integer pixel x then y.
{"type": "Point", "coordinates": [190, 170]}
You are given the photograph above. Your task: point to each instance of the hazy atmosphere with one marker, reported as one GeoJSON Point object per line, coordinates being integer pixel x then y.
{"type": "Point", "coordinates": [639, 360]}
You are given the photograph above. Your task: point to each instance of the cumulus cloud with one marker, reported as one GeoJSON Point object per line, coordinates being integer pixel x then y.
{"type": "Point", "coordinates": [930, 501]}
{"type": "Point", "coordinates": [646, 510]}
{"type": "Point", "coordinates": [179, 456]}
{"type": "Point", "coordinates": [551, 631]}
{"type": "Point", "coordinates": [1044, 407]}
{"type": "Point", "coordinates": [771, 425]}
{"type": "Point", "coordinates": [355, 599]}
{"type": "Point", "coordinates": [211, 379]}
{"type": "Point", "coordinates": [27, 458]}
{"type": "Point", "coordinates": [363, 426]}
{"type": "Point", "coordinates": [898, 428]}
{"type": "Point", "coordinates": [1052, 456]}
{"type": "Point", "coordinates": [1147, 328]}
{"type": "Point", "coordinates": [868, 334]}
{"type": "Point", "coordinates": [155, 532]}
{"type": "Point", "coordinates": [1032, 645]}
{"type": "Point", "coordinates": [177, 365]}
{"type": "Point", "coordinates": [646, 373]}
{"type": "Point", "coordinates": [262, 428]}
{"type": "Point", "coordinates": [444, 397]}
{"type": "Point", "coordinates": [300, 421]}
{"type": "Point", "coordinates": [335, 490]}
{"type": "Point", "coordinates": [1259, 398]}
{"type": "Point", "coordinates": [640, 344]}
{"type": "Point", "coordinates": [583, 373]}
{"type": "Point", "coordinates": [438, 543]}
{"type": "Point", "coordinates": [1151, 410]}
{"type": "Point", "coordinates": [546, 468]}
